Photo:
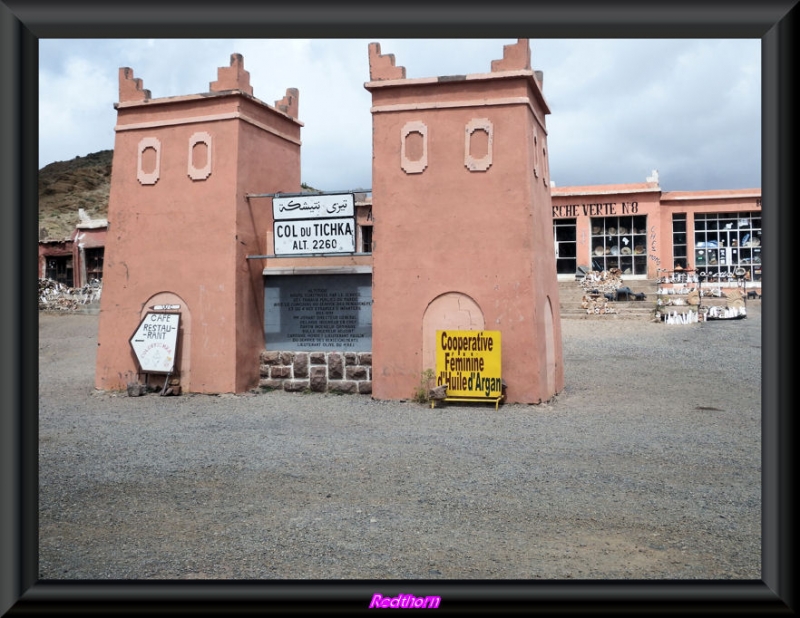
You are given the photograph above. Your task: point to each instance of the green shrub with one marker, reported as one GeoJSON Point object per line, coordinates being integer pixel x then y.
{"type": "Point", "coordinates": [421, 393]}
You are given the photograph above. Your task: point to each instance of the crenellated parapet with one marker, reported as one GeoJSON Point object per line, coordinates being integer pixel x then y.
{"type": "Point", "coordinates": [130, 87]}
{"type": "Point", "coordinates": [516, 57]}
{"type": "Point", "coordinates": [381, 66]}
{"type": "Point", "coordinates": [233, 77]}
{"type": "Point", "coordinates": [289, 104]}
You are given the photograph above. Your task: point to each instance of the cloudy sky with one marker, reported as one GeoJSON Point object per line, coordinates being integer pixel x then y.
{"type": "Point", "coordinates": [620, 108]}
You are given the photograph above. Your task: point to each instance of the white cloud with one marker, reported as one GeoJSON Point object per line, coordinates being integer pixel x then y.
{"type": "Point", "coordinates": [75, 98]}
{"type": "Point", "coordinates": [620, 108]}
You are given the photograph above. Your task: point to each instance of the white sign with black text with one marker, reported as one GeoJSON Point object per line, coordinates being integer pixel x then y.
{"type": "Point", "coordinates": [155, 342]}
{"type": "Point", "coordinates": [309, 237]}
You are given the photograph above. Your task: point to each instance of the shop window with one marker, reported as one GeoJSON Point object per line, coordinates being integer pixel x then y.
{"type": "Point", "coordinates": [566, 246]}
{"type": "Point", "coordinates": [60, 269]}
{"type": "Point", "coordinates": [620, 242]}
{"type": "Point", "coordinates": [679, 254]}
{"type": "Point", "coordinates": [94, 264]}
{"type": "Point", "coordinates": [727, 242]}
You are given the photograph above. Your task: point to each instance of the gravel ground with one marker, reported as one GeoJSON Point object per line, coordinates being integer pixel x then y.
{"type": "Point", "coordinates": [647, 466]}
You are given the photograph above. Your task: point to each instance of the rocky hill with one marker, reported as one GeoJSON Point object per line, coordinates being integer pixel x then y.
{"type": "Point", "coordinates": [82, 182]}
{"type": "Point", "coordinates": [66, 186]}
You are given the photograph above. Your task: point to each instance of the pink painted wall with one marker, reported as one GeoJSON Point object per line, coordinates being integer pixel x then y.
{"type": "Point", "coordinates": [184, 228]}
{"type": "Point", "coordinates": [459, 210]}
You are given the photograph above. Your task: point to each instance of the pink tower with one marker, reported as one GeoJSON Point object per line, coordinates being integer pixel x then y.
{"type": "Point", "coordinates": [463, 235]}
{"type": "Point", "coordinates": [181, 228]}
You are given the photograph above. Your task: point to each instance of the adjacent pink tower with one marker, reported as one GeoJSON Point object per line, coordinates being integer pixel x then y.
{"type": "Point", "coordinates": [463, 235]}
{"type": "Point", "coordinates": [180, 226]}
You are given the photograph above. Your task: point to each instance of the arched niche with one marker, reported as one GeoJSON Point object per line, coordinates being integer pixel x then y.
{"type": "Point", "coordinates": [449, 311]}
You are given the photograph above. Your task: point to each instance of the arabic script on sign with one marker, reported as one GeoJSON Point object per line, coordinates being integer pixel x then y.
{"type": "Point", "coordinates": [313, 207]}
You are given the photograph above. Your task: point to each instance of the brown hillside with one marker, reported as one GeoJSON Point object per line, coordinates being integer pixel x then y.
{"type": "Point", "coordinates": [66, 186]}
{"type": "Point", "coordinates": [82, 182]}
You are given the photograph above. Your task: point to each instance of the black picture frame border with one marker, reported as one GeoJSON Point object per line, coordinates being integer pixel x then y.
{"type": "Point", "coordinates": [23, 23]}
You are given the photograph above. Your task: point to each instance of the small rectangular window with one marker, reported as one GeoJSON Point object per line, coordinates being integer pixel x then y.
{"type": "Point", "coordinates": [94, 264]}
{"type": "Point", "coordinates": [366, 239]}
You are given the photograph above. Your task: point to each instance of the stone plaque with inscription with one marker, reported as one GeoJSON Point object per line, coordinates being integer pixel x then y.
{"type": "Point", "coordinates": [318, 312]}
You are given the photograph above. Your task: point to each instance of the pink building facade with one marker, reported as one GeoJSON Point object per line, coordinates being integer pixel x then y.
{"type": "Point", "coordinates": [464, 230]}
{"type": "Point", "coordinates": [78, 260]}
{"type": "Point", "coordinates": [645, 231]}
{"type": "Point", "coordinates": [189, 230]}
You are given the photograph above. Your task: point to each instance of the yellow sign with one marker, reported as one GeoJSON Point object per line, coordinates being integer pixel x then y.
{"type": "Point", "coordinates": [468, 363]}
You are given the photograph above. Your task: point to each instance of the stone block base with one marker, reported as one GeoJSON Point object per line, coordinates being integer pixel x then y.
{"type": "Point", "coordinates": [319, 372]}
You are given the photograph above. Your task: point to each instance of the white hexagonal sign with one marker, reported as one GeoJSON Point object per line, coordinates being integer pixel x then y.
{"type": "Point", "coordinates": [155, 342]}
